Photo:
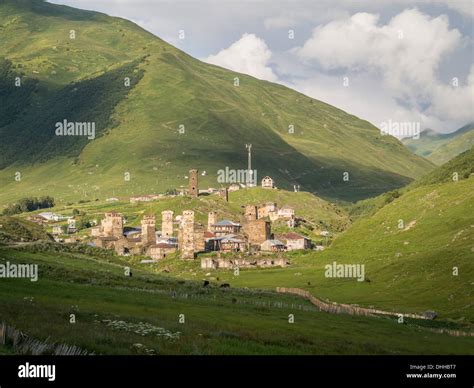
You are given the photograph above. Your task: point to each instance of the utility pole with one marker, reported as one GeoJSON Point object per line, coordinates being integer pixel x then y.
{"type": "Point", "coordinates": [250, 173]}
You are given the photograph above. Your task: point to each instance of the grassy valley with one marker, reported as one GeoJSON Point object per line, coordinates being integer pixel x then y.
{"type": "Point", "coordinates": [440, 148]}
{"type": "Point", "coordinates": [158, 112]}
{"type": "Point", "coordinates": [115, 314]}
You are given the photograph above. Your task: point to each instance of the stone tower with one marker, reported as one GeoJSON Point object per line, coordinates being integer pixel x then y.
{"type": "Point", "coordinates": [250, 212]}
{"type": "Point", "coordinates": [148, 230]}
{"type": "Point", "coordinates": [224, 193]}
{"type": "Point", "coordinates": [193, 183]}
{"type": "Point", "coordinates": [257, 231]}
{"type": "Point", "coordinates": [167, 223]}
{"type": "Point", "coordinates": [112, 225]}
{"type": "Point", "coordinates": [211, 220]}
{"type": "Point", "coordinates": [186, 235]}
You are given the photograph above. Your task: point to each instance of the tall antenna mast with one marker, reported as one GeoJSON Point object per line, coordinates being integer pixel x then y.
{"type": "Point", "coordinates": [249, 175]}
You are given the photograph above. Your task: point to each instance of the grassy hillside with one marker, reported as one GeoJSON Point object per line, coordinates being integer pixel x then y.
{"type": "Point", "coordinates": [459, 168]}
{"type": "Point", "coordinates": [409, 242]}
{"type": "Point", "coordinates": [216, 321]}
{"type": "Point", "coordinates": [407, 269]}
{"type": "Point", "coordinates": [440, 148]}
{"type": "Point", "coordinates": [13, 229]}
{"type": "Point", "coordinates": [449, 150]}
{"type": "Point", "coordinates": [82, 79]}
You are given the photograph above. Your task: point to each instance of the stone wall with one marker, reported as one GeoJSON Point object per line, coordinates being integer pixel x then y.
{"type": "Point", "coordinates": [220, 263]}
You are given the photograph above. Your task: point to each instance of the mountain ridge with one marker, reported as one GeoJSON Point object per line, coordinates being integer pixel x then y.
{"type": "Point", "coordinates": [141, 133]}
{"type": "Point", "coordinates": [441, 147]}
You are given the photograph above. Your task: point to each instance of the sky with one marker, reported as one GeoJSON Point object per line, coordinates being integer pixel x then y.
{"type": "Point", "coordinates": [385, 61]}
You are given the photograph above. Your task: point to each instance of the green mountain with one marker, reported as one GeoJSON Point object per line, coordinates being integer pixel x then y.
{"type": "Point", "coordinates": [138, 91]}
{"type": "Point", "coordinates": [439, 148]}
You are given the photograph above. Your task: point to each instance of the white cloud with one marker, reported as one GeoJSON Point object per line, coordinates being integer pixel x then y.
{"type": "Point", "coordinates": [249, 55]}
{"type": "Point", "coordinates": [364, 98]}
{"type": "Point", "coordinates": [404, 56]}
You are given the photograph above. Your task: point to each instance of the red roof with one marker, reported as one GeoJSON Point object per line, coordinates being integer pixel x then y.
{"type": "Point", "coordinates": [209, 235]}
{"type": "Point", "coordinates": [293, 236]}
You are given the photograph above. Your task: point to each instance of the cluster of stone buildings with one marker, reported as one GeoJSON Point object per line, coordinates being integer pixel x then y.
{"type": "Point", "coordinates": [110, 234]}
{"type": "Point", "coordinates": [183, 233]}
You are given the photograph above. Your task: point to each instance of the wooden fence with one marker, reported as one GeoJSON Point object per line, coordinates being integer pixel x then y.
{"type": "Point", "coordinates": [22, 344]}
{"type": "Point", "coordinates": [337, 308]}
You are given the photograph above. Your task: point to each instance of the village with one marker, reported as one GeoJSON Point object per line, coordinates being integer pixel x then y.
{"type": "Point", "coordinates": [246, 242]}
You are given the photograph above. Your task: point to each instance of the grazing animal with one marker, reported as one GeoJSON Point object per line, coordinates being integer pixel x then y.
{"type": "Point", "coordinates": [206, 283]}
{"type": "Point", "coordinates": [225, 285]}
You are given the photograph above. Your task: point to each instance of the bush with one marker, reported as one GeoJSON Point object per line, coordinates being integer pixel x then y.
{"type": "Point", "coordinates": [28, 204]}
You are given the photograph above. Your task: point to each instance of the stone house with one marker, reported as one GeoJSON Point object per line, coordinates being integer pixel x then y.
{"type": "Point", "coordinates": [160, 250]}
{"type": "Point", "coordinates": [286, 212]}
{"type": "Point", "coordinates": [294, 241]}
{"type": "Point", "coordinates": [228, 243]}
{"type": "Point", "coordinates": [267, 210]}
{"type": "Point", "coordinates": [267, 183]}
{"type": "Point", "coordinates": [272, 246]}
{"type": "Point", "coordinates": [234, 187]}
{"type": "Point", "coordinates": [225, 227]}
{"type": "Point", "coordinates": [50, 216]}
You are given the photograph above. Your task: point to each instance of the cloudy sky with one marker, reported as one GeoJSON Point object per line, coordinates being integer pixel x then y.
{"type": "Point", "coordinates": [398, 60]}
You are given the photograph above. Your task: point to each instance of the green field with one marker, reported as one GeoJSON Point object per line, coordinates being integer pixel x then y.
{"type": "Point", "coordinates": [217, 321]}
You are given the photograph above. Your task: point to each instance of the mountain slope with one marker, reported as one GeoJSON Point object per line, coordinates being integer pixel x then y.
{"type": "Point", "coordinates": [417, 251]}
{"type": "Point", "coordinates": [439, 148]}
{"type": "Point", "coordinates": [458, 168]}
{"type": "Point", "coordinates": [138, 125]}
{"type": "Point", "coordinates": [455, 146]}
